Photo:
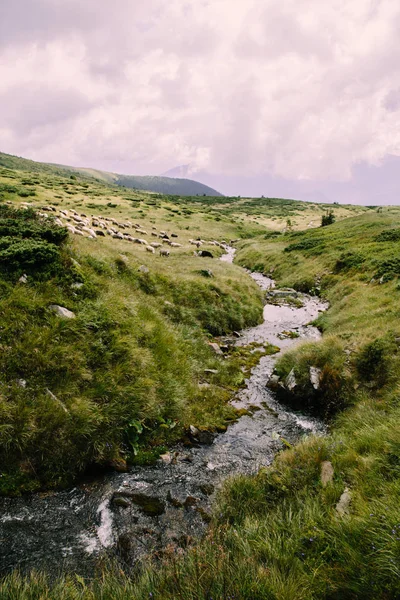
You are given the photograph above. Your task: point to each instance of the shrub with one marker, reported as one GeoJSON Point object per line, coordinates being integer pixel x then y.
{"type": "Point", "coordinates": [374, 360]}
{"type": "Point", "coordinates": [306, 244]}
{"type": "Point", "coordinates": [327, 219]}
{"type": "Point", "coordinates": [391, 235]}
{"type": "Point", "coordinates": [348, 260]}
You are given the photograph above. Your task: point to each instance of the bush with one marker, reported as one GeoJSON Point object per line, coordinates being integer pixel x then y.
{"type": "Point", "coordinates": [29, 255]}
{"type": "Point", "coordinates": [29, 244]}
{"type": "Point", "coordinates": [327, 219]}
{"type": "Point", "coordinates": [374, 360]}
{"type": "Point", "coordinates": [348, 260]}
{"type": "Point", "coordinates": [391, 235]}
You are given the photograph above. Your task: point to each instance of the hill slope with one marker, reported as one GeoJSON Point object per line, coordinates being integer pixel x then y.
{"type": "Point", "coordinates": [161, 185]}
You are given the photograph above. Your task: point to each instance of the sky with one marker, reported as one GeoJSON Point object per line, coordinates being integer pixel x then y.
{"type": "Point", "coordinates": [253, 95]}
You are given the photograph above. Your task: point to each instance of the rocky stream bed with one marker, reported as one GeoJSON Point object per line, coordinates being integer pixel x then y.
{"type": "Point", "coordinates": [129, 515]}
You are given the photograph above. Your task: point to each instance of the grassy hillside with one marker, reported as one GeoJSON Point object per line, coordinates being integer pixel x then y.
{"type": "Point", "coordinates": [125, 375]}
{"type": "Point", "coordinates": [139, 349]}
{"type": "Point", "coordinates": [162, 185]}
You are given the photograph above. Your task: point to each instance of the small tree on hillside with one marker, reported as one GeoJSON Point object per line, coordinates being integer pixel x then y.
{"type": "Point", "coordinates": [327, 219]}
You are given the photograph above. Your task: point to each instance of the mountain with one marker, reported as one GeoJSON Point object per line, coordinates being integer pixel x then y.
{"type": "Point", "coordinates": [368, 184]}
{"type": "Point", "coordinates": [159, 184]}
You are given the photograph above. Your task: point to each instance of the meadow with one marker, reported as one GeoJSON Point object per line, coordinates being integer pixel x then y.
{"type": "Point", "coordinates": [277, 535]}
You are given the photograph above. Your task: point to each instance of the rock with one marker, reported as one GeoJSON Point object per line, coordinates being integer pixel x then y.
{"type": "Point", "coordinates": [274, 381]}
{"type": "Point", "coordinates": [190, 501]}
{"type": "Point", "coordinates": [207, 488]}
{"type": "Point", "coordinates": [166, 458]}
{"type": "Point", "coordinates": [143, 269]}
{"type": "Point", "coordinates": [119, 465]}
{"type": "Point", "coordinates": [193, 430]}
{"type": "Point", "coordinates": [315, 377]}
{"type": "Point", "coordinates": [283, 293]}
{"type": "Point", "coordinates": [186, 458]}
{"type": "Point", "coordinates": [23, 278]}
{"type": "Point", "coordinates": [149, 505]}
{"type": "Point", "coordinates": [290, 381]}
{"type": "Point", "coordinates": [216, 348]}
{"type": "Point", "coordinates": [236, 334]}
{"type": "Point", "coordinates": [121, 501]}
{"type": "Point", "coordinates": [211, 371]}
{"type": "Point", "coordinates": [77, 285]}
{"type": "Point", "coordinates": [343, 506]}
{"type": "Point", "coordinates": [326, 473]}
{"type": "Point", "coordinates": [21, 383]}
{"type": "Point", "coordinates": [203, 436]}
{"type": "Point", "coordinates": [62, 312]}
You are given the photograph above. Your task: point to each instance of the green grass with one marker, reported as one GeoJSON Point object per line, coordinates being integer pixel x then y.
{"type": "Point", "coordinates": [276, 535]}
{"type": "Point", "coordinates": [102, 386]}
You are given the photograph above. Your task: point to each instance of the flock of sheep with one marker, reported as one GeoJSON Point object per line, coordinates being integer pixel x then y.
{"type": "Point", "coordinates": [94, 226]}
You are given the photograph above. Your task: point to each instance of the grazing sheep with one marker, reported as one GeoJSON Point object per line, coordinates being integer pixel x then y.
{"type": "Point", "coordinates": [154, 233]}
{"type": "Point", "coordinates": [142, 231]}
{"type": "Point", "coordinates": [150, 249]}
{"type": "Point", "coordinates": [164, 252]}
{"type": "Point", "coordinates": [174, 235]}
{"type": "Point", "coordinates": [155, 244]}
{"type": "Point", "coordinates": [175, 245]}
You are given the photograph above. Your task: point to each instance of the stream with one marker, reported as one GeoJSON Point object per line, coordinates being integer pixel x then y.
{"type": "Point", "coordinates": [129, 515]}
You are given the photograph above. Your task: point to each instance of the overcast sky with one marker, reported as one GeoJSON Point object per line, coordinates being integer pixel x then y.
{"type": "Point", "coordinates": [294, 89]}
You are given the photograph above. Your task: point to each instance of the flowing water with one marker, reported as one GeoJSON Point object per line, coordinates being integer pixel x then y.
{"type": "Point", "coordinates": [129, 515]}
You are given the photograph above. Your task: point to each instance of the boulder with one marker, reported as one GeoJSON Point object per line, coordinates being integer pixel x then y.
{"type": "Point", "coordinates": [343, 506]}
{"type": "Point", "coordinates": [149, 505]}
{"type": "Point", "coordinates": [326, 473]}
{"type": "Point", "coordinates": [290, 381]}
{"type": "Point", "coordinates": [283, 293]}
{"type": "Point", "coordinates": [143, 269]}
{"type": "Point", "coordinates": [62, 312]}
{"type": "Point", "coordinates": [216, 348]}
{"type": "Point", "coordinates": [274, 381]}
{"type": "Point", "coordinates": [315, 377]}
{"type": "Point", "coordinates": [23, 278]}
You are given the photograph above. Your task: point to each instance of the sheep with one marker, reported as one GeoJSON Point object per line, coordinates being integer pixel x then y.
{"type": "Point", "coordinates": [150, 249]}
{"type": "Point", "coordinates": [142, 231]}
{"type": "Point", "coordinates": [175, 245]}
{"type": "Point", "coordinates": [155, 244]}
{"type": "Point", "coordinates": [164, 252]}
{"type": "Point", "coordinates": [154, 233]}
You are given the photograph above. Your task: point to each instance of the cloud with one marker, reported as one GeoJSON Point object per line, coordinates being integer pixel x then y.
{"type": "Point", "coordinates": [296, 89]}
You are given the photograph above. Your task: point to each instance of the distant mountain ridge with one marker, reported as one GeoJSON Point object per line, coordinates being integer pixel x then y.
{"type": "Point", "coordinates": [158, 184]}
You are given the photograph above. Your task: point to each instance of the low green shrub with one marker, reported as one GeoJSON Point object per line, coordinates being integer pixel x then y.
{"type": "Point", "coordinates": [390, 235]}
